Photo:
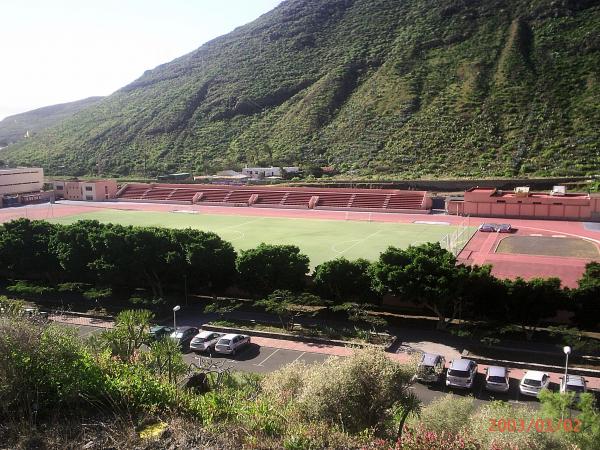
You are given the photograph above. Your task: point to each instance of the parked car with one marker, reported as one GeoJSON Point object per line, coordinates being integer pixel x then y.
{"type": "Point", "coordinates": [205, 341]}
{"type": "Point", "coordinates": [533, 382]}
{"type": "Point", "coordinates": [505, 228]}
{"type": "Point", "coordinates": [489, 227]}
{"type": "Point", "coordinates": [431, 368]}
{"type": "Point", "coordinates": [231, 343]}
{"type": "Point", "coordinates": [160, 331]}
{"type": "Point", "coordinates": [461, 373]}
{"type": "Point", "coordinates": [574, 383]}
{"type": "Point", "coordinates": [183, 336]}
{"type": "Point", "coordinates": [497, 379]}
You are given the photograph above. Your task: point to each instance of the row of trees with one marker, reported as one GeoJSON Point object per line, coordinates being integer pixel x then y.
{"type": "Point", "coordinates": [127, 258]}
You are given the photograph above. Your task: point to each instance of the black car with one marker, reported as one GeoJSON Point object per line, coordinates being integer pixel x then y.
{"type": "Point", "coordinates": [183, 336]}
{"type": "Point", "coordinates": [160, 331]}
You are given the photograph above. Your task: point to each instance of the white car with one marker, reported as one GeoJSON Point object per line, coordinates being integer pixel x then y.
{"type": "Point", "coordinates": [205, 341]}
{"type": "Point", "coordinates": [496, 379]}
{"type": "Point", "coordinates": [533, 382]}
{"type": "Point", "coordinates": [231, 343]}
{"type": "Point", "coordinates": [461, 373]}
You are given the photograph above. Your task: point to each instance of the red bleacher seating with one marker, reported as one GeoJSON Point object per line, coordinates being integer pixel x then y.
{"type": "Point", "coordinates": [344, 199]}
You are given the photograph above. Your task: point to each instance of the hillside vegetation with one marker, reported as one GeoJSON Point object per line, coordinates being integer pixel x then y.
{"type": "Point", "coordinates": [14, 128]}
{"type": "Point", "coordinates": [406, 88]}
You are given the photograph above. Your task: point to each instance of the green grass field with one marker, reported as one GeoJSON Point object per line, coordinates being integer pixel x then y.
{"type": "Point", "coordinates": [321, 240]}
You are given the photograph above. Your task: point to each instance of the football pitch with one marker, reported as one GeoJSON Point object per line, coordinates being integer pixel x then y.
{"type": "Point", "coordinates": [321, 240]}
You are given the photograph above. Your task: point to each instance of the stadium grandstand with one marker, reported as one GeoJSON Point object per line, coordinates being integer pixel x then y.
{"type": "Point", "coordinates": [375, 200]}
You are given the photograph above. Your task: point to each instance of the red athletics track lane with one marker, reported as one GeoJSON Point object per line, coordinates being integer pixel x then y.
{"type": "Point", "coordinates": [480, 249]}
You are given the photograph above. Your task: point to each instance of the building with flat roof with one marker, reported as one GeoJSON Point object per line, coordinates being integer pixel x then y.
{"type": "Point", "coordinates": [21, 180]}
{"type": "Point", "coordinates": [88, 190]}
{"type": "Point", "coordinates": [521, 203]}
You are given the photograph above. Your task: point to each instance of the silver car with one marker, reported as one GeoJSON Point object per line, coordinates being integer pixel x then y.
{"type": "Point", "coordinates": [231, 343]}
{"type": "Point", "coordinates": [431, 368]}
{"type": "Point", "coordinates": [533, 382]}
{"type": "Point", "coordinates": [496, 379]}
{"type": "Point", "coordinates": [574, 383]}
{"type": "Point", "coordinates": [205, 341]}
{"type": "Point", "coordinates": [461, 373]}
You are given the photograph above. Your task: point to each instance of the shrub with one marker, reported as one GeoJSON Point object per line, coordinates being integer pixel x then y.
{"type": "Point", "coordinates": [29, 288]}
{"type": "Point", "coordinates": [448, 414]}
{"type": "Point", "coordinates": [356, 392]}
{"type": "Point", "coordinates": [44, 369]}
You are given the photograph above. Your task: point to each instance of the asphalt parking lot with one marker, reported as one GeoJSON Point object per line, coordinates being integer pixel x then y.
{"type": "Point", "coordinates": [253, 358]}
{"type": "Point", "coordinates": [261, 359]}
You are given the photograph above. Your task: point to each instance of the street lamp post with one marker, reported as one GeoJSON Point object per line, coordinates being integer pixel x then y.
{"type": "Point", "coordinates": [567, 351]}
{"type": "Point", "coordinates": [175, 309]}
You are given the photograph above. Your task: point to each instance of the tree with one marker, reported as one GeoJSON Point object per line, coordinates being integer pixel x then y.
{"type": "Point", "coordinates": [361, 314]}
{"type": "Point", "coordinates": [529, 302]}
{"type": "Point", "coordinates": [131, 330]}
{"type": "Point", "coordinates": [269, 267]}
{"type": "Point", "coordinates": [25, 249]}
{"type": "Point", "coordinates": [556, 406]}
{"type": "Point", "coordinates": [586, 298]}
{"type": "Point", "coordinates": [289, 306]}
{"type": "Point", "coordinates": [165, 359]}
{"type": "Point", "coordinates": [426, 274]}
{"type": "Point", "coordinates": [342, 280]}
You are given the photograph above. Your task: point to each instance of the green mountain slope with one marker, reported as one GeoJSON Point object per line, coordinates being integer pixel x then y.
{"type": "Point", "coordinates": [14, 128]}
{"type": "Point", "coordinates": [392, 87]}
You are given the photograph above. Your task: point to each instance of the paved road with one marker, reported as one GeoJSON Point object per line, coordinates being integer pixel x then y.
{"type": "Point", "coordinates": [263, 359]}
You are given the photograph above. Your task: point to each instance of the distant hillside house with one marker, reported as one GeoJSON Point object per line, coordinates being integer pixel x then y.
{"type": "Point", "coordinates": [266, 172]}
{"type": "Point", "coordinates": [89, 190]}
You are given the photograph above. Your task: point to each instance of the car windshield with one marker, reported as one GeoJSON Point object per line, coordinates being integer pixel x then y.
{"type": "Point", "coordinates": [177, 335]}
{"type": "Point", "coordinates": [572, 388]}
{"type": "Point", "coordinates": [497, 380]}
{"type": "Point", "coordinates": [426, 369]}
{"type": "Point", "coordinates": [530, 382]}
{"type": "Point", "coordinates": [458, 373]}
{"type": "Point", "coordinates": [224, 342]}
{"type": "Point", "coordinates": [199, 339]}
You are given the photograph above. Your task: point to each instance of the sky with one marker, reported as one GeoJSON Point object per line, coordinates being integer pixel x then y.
{"type": "Point", "coordinates": [56, 51]}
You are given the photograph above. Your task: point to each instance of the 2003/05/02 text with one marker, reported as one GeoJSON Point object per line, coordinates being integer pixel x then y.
{"type": "Point", "coordinates": [508, 425]}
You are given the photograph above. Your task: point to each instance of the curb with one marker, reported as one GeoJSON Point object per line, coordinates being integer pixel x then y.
{"type": "Point", "coordinates": [77, 314]}
{"type": "Point", "coordinates": [530, 366]}
{"type": "Point", "coordinates": [291, 337]}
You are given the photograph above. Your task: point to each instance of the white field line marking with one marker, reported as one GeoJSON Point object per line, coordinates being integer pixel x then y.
{"type": "Point", "coordinates": [596, 241]}
{"type": "Point", "coordinates": [558, 235]}
{"type": "Point", "coordinates": [536, 234]}
{"type": "Point", "coordinates": [301, 355]}
{"type": "Point", "coordinates": [360, 242]}
{"type": "Point", "coordinates": [261, 363]}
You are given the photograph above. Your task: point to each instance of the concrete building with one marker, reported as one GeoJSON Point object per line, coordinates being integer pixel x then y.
{"type": "Point", "coordinates": [89, 190]}
{"type": "Point", "coordinates": [558, 204]}
{"type": "Point", "coordinates": [21, 180]}
{"type": "Point", "coordinates": [266, 172]}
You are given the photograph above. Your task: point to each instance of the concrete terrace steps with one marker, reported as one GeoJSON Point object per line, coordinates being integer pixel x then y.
{"type": "Point", "coordinates": [376, 200]}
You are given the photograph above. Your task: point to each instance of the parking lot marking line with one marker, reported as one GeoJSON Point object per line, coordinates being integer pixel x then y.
{"type": "Point", "coordinates": [301, 355]}
{"type": "Point", "coordinates": [261, 363]}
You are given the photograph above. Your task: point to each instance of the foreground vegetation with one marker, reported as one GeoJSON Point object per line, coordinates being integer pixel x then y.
{"type": "Point", "coordinates": [57, 391]}
{"type": "Point", "coordinates": [369, 87]}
